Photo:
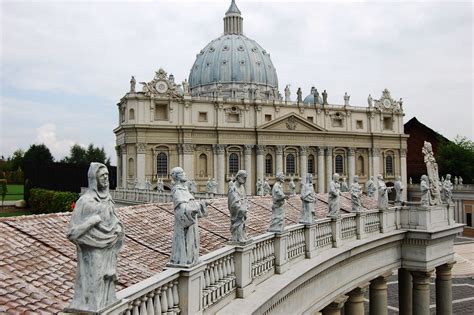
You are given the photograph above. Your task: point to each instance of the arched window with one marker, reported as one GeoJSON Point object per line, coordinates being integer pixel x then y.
{"type": "Point", "coordinates": [311, 164]}
{"type": "Point", "coordinates": [389, 165]}
{"type": "Point", "coordinates": [360, 166]}
{"type": "Point", "coordinates": [290, 164]}
{"type": "Point", "coordinates": [203, 165]}
{"type": "Point", "coordinates": [339, 161]}
{"type": "Point", "coordinates": [162, 164]}
{"type": "Point", "coordinates": [268, 164]}
{"type": "Point", "coordinates": [131, 167]}
{"type": "Point", "coordinates": [131, 114]}
{"type": "Point", "coordinates": [233, 163]}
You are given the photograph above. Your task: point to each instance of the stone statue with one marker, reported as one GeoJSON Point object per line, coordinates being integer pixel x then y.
{"type": "Point", "coordinates": [214, 185]}
{"type": "Point", "coordinates": [370, 100]}
{"type": "Point", "coordinates": [370, 187]}
{"type": "Point", "coordinates": [356, 192]}
{"type": "Point", "coordinates": [316, 97]}
{"type": "Point", "coordinates": [456, 180]}
{"type": "Point", "coordinates": [460, 180]}
{"type": "Point", "coordinates": [278, 211]}
{"type": "Point", "coordinates": [209, 187]}
{"type": "Point", "coordinates": [344, 186]}
{"type": "Point", "coordinates": [334, 203]}
{"type": "Point", "coordinates": [237, 203]}
{"type": "Point", "coordinates": [447, 189]}
{"type": "Point", "coordinates": [425, 191]}
{"type": "Point", "coordinates": [136, 184]}
{"type": "Point", "coordinates": [186, 87]}
{"type": "Point", "coordinates": [159, 185]}
{"type": "Point", "coordinates": [98, 235]}
{"type": "Point", "coordinates": [147, 184]}
{"type": "Point", "coordinates": [411, 181]}
{"type": "Point", "coordinates": [193, 186]}
{"type": "Point", "coordinates": [292, 187]}
{"type": "Point", "coordinates": [287, 93]}
{"type": "Point", "coordinates": [325, 97]}
{"type": "Point", "coordinates": [432, 170]}
{"type": "Point", "coordinates": [398, 191]}
{"type": "Point", "coordinates": [400, 102]}
{"type": "Point", "coordinates": [383, 193]}
{"type": "Point", "coordinates": [346, 99]}
{"type": "Point", "coordinates": [133, 83]}
{"type": "Point", "coordinates": [185, 244]}
{"type": "Point", "coordinates": [308, 198]}
{"type": "Point", "coordinates": [299, 95]}
{"type": "Point", "coordinates": [266, 188]}
{"type": "Point", "coordinates": [259, 187]}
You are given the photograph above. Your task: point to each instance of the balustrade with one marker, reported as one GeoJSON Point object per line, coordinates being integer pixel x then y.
{"type": "Point", "coordinates": [323, 233]}
{"type": "Point", "coordinates": [263, 256]}
{"type": "Point", "coordinates": [296, 242]}
{"type": "Point", "coordinates": [372, 222]}
{"type": "Point", "coordinates": [348, 227]}
{"type": "Point", "coordinates": [219, 280]}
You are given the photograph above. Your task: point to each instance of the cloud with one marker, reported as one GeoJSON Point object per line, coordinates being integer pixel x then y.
{"type": "Point", "coordinates": [58, 147]}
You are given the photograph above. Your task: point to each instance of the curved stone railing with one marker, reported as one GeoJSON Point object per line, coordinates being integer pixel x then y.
{"type": "Point", "coordinates": [140, 196]}
{"type": "Point", "coordinates": [262, 261]}
{"type": "Point", "coordinates": [372, 221]}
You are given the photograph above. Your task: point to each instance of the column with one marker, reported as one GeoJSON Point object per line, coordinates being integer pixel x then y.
{"type": "Point", "coordinates": [260, 158]}
{"type": "Point", "coordinates": [403, 171]}
{"type": "Point", "coordinates": [421, 292]}
{"type": "Point", "coordinates": [375, 162]}
{"type": "Point", "coordinates": [444, 291]}
{"type": "Point", "coordinates": [188, 159]}
{"type": "Point", "coordinates": [355, 303]}
{"type": "Point", "coordinates": [123, 150]}
{"type": "Point", "coordinates": [141, 149]}
{"type": "Point", "coordinates": [321, 172]}
{"type": "Point", "coordinates": [378, 296]}
{"type": "Point", "coordinates": [328, 166]}
{"type": "Point", "coordinates": [303, 163]}
{"type": "Point", "coordinates": [351, 165]}
{"type": "Point", "coordinates": [279, 158]}
{"type": "Point", "coordinates": [404, 291]}
{"type": "Point", "coordinates": [220, 169]}
{"type": "Point", "coordinates": [335, 307]}
{"type": "Point", "coordinates": [248, 168]}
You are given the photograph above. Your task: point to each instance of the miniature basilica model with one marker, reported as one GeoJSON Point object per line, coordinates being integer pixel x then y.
{"type": "Point", "coordinates": [230, 115]}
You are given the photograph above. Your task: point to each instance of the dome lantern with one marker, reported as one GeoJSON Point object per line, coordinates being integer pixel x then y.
{"type": "Point", "coordinates": [233, 21]}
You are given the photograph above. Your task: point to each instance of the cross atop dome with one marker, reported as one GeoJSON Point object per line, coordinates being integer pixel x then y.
{"type": "Point", "coordinates": [233, 21]}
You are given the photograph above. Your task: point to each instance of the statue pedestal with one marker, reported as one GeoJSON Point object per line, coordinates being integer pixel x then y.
{"type": "Point", "coordinates": [420, 217]}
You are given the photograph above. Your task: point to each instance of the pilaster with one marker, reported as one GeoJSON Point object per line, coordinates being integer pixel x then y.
{"type": "Point", "coordinates": [329, 171]}
{"type": "Point", "coordinates": [260, 149]}
{"type": "Point", "coordinates": [351, 164]}
{"type": "Point", "coordinates": [281, 253]}
{"type": "Point", "coordinates": [321, 188]}
{"type": "Point", "coordinates": [141, 149]}
{"type": "Point", "coordinates": [123, 150]}
{"type": "Point", "coordinates": [360, 225]}
{"type": "Point", "coordinates": [336, 231]}
{"type": "Point", "coordinates": [279, 158]}
{"type": "Point", "coordinates": [303, 163]}
{"type": "Point", "coordinates": [220, 176]}
{"type": "Point", "coordinates": [248, 168]}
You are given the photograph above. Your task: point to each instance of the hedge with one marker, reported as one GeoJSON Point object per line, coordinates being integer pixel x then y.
{"type": "Point", "coordinates": [48, 201]}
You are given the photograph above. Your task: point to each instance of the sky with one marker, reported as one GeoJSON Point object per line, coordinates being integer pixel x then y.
{"type": "Point", "coordinates": [64, 65]}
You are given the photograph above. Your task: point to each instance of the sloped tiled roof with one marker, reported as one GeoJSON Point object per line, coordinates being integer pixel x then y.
{"type": "Point", "coordinates": [37, 262]}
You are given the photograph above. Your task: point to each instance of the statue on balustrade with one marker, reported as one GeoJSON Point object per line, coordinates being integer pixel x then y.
{"type": "Point", "coordinates": [237, 203]}
{"type": "Point", "coordinates": [308, 198]}
{"type": "Point", "coordinates": [209, 187]}
{"type": "Point", "coordinates": [383, 193]}
{"type": "Point", "coordinates": [356, 193]}
{"type": "Point", "coordinates": [259, 187]}
{"type": "Point", "coordinates": [460, 180]}
{"type": "Point", "coordinates": [266, 188]}
{"type": "Point", "coordinates": [278, 211]}
{"type": "Point", "coordinates": [398, 191]}
{"type": "Point", "coordinates": [98, 235]}
{"type": "Point", "coordinates": [160, 185]}
{"type": "Point", "coordinates": [185, 244]}
{"type": "Point", "coordinates": [344, 186]}
{"type": "Point", "coordinates": [370, 187]}
{"type": "Point", "coordinates": [456, 180]}
{"type": "Point", "coordinates": [292, 187]}
{"type": "Point", "coordinates": [147, 184]}
{"type": "Point", "coordinates": [425, 191]}
{"type": "Point", "coordinates": [193, 186]}
{"type": "Point", "coordinates": [334, 197]}
{"type": "Point", "coordinates": [432, 170]}
{"type": "Point", "coordinates": [447, 195]}
{"type": "Point", "coordinates": [214, 185]}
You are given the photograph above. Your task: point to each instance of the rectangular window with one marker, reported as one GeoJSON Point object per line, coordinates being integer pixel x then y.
{"type": "Point", "coordinates": [387, 123]}
{"type": "Point", "coordinates": [233, 118]}
{"type": "Point", "coordinates": [469, 219]}
{"type": "Point", "coordinates": [336, 122]}
{"type": "Point", "coordinates": [161, 112]}
{"type": "Point", "coordinates": [310, 118]}
{"type": "Point", "coordinates": [268, 118]}
{"type": "Point", "coordinates": [359, 124]}
{"type": "Point", "coordinates": [202, 117]}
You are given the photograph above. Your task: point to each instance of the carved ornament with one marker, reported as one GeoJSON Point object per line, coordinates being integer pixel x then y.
{"type": "Point", "coordinates": [291, 123]}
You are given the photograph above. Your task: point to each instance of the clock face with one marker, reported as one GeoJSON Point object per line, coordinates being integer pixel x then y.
{"type": "Point", "coordinates": [161, 86]}
{"type": "Point", "coordinates": [387, 103]}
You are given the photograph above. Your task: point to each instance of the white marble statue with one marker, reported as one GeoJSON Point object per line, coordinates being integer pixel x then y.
{"type": "Point", "coordinates": [299, 95]}
{"type": "Point", "coordinates": [356, 193]}
{"type": "Point", "coordinates": [237, 203]}
{"type": "Point", "coordinates": [325, 98]}
{"type": "Point", "coordinates": [411, 181]}
{"type": "Point", "coordinates": [334, 197]}
{"type": "Point", "coordinates": [266, 188]}
{"type": "Point", "coordinates": [432, 170]}
{"type": "Point", "coordinates": [460, 180]}
{"type": "Point", "coordinates": [308, 198]}
{"type": "Point", "coordinates": [447, 190]}
{"type": "Point", "coordinates": [209, 187]}
{"type": "Point", "coordinates": [186, 87]}
{"type": "Point", "coordinates": [425, 190]}
{"type": "Point", "coordinates": [259, 187]}
{"type": "Point", "coordinates": [398, 191]}
{"type": "Point", "coordinates": [344, 186]}
{"type": "Point", "coordinates": [133, 83]}
{"type": "Point", "coordinates": [292, 187]}
{"type": "Point", "coordinates": [370, 187]}
{"type": "Point", "coordinates": [278, 211]}
{"type": "Point", "coordinates": [456, 180]}
{"type": "Point", "coordinates": [136, 184]}
{"type": "Point", "coordinates": [160, 185]}
{"type": "Point", "coordinates": [214, 185]}
{"type": "Point", "coordinates": [346, 99]}
{"type": "Point", "coordinates": [185, 244]}
{"type": "Point", "coordinates": [287, 93]}
{"type": "Point", "coordinates": [370, 100]}
{"type": "Point", "coordinates": [98, 235]}
{"type": "Point", "coordinates": [383, 193]}
{"type": "Point", "coordinates": [147, 184]}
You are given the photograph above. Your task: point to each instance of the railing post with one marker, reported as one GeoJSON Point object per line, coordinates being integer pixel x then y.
{"type": "Point", "coordinates": [387, 220]}
{"type": "Point", "coordinates": [450, 213]}
{"type": "Point", "coordinates": [243, 269]}
{"type": "Point", "coordinates": [336, 231]}
{"type": "Point", "coordinates": [360, 224]}
{"type": "Point", "coordinates": [281, 253]}
{"type": "Point", "coordinates": [310, 240]}
{"type": "Point", "coordinates": [190, 284]}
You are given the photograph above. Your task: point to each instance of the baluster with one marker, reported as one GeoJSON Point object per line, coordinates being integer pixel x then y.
{"type": "Point", "coordinates": [143, 305]}
{"type": "Point", "coordinates": [175, 294]}
{"type": "Point", "coordinates": [157, 302]}
{"type": "Point", "coordinates": [136, 310]}
{"type": "Point", "coordinates": [164, 300]}
{"type": "Point", "coordinates": [170, 299]}
{"type": "Point", "coordinates": [149, 303]}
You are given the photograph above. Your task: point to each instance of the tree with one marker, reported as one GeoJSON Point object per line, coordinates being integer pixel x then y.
{"type": "Point", "coordinates": [37, 154]}
{"type": "Point", "coordinates": [16, 159]}
{"type": "Point", "coordinates": [3, 189]}
{"type": "Point", "coordinates": [80, 155]}
{"type": "Point", "coordinates": [457, 158]}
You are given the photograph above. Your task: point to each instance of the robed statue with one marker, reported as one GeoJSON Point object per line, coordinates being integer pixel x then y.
{"type": "Point", "coordinates": [278, 211]}
{"type": "Point", "coordinates": [237, 203]}
{"type": "Point", "coordinates": [433, 175]}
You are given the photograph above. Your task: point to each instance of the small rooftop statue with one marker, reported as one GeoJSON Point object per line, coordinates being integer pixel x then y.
{"type": "Point", "coordinates": [346, 99]}
{"type": "Point", "coordinates": [299, 95]}
{"type": "Point", "coordinates": [356, 192]}
{"type": "Point", "coordinates": [266, 188]}
{"type": "Point", "coordinates": [278, 211]}
{"type": "Point", "coordinates": [316, 97]}
{"type": "Point", "coordinates": [159, 185]}
{"type": "Point", "coordinates": [370, 187]}
{"type": "Point", "coordinates": [425, 191]}
{"type": "Point", "coordinates": [287, 93]}
{"type": "Point", "coordinates": [325, 97]}
{"type": "Point", "coordinates": [456, 180]}
{"type": "Point", "coordinates": [308, 198]}
{"type": "Point", "coordinates": [383, 193]}
{"type": "Point", "coordinates": [259, 187]}
{"type": "Point", "coordinates": [460, 180]}
{"type": "Point", "coordinates": [291, 187]}
{"type": "Point", "coordinates": [432, 170]}
{"type": "Point", "coordinates": [344, 186]}
{"type": "Point", "coordinates": [98, 235]}
{"type": "Point", "coordinates": [185, 245]}
{"type": "Point", "coordinates": [334, 202]}
{"type": "Point", "coordinates": [133, 83]}
{"type": "Point", "coordinates": [398, 191]}
{"type": "Point", "coordinates": [237, 203]}
{"type": "Point", "coordinates": [370, 101]}
{"type": "Point", "coordinates": [447, 190]}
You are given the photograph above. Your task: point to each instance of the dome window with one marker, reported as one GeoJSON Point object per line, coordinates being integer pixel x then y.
{"type": "Point", "coordinates": [224, 62]}
{"type": "Point", "coordinates": [226, 48]}
{"type": "Point", "coordinates": [208, 64]}
{"type": "Point", "coordinates": [241, 48]}
{"type": "Point", "coordinates": [212, 49]}
{"type": "Point", "coordinates": [242, 62]}
{"type": "Point", "coordinates": [254, 49]}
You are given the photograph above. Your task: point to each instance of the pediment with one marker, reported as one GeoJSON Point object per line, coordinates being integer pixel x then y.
{"type": "Point", "coordinates": [290, 122]}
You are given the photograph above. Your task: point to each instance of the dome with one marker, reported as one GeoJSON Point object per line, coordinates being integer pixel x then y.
{"type": "Point", "coordinates": [310, 99]}
{"type": "Point", "coordinates": [234, 65]}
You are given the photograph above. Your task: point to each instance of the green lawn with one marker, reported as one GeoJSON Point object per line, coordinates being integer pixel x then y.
{"type": "Point", "coordinates": [14, 192]}
{"type": "Point", "coordinates": [14, 213]}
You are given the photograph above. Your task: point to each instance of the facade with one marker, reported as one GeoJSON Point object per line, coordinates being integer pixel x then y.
{"type": "Point", "coordinates": [230, 115]}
